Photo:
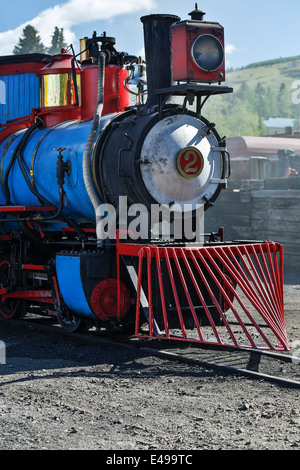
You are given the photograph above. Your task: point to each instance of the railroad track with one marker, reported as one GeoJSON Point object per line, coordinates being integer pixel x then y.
{"type": "Point", "coordinates": [255, 362]}
{"type": "Point", "coordinates": [281, 369]}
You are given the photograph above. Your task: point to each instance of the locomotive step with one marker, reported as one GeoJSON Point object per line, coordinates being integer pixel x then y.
{"type": "Point", "coordinates": [27, 208]}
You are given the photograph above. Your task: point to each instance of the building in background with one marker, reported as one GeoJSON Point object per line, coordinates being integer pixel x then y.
{"type": "Point", "coordinates": [278, 125]}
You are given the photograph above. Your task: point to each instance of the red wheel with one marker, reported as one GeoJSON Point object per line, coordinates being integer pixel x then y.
{"type": "Point", "coordinates": [104, 300]}
{"type": "Point", "coordinates": [9, 309]}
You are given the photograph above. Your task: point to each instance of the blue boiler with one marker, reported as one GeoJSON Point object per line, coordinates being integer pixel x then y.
{"type": "Point", "coordinates": [39, 158]}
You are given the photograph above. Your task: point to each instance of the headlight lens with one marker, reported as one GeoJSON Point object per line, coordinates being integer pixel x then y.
{"type": "Point", "coordinates": [208, 53]}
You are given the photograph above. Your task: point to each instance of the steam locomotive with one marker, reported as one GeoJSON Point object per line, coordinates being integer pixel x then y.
{"type": "Point", "coordinates": [76, 154]}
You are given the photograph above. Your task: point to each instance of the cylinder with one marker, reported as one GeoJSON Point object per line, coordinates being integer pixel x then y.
{"type": "Point", "coordinates": [158, 54]}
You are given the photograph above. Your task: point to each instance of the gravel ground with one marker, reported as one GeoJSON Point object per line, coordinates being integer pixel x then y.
{"type": "Point", "coordinates": [61, 392]}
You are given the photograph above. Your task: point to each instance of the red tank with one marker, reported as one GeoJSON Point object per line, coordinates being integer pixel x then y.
{"type": "Point", "coordinates": [116, 98]}
{"type": "Point", "coordinates": [58, 101]}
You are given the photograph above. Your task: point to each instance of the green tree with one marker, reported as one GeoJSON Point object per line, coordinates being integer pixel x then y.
{"type": "Point", "coordinates": [270, 105]}
{"type": "Point", "coordinates": [30, 42]}
{"type": "Point", "coordinates": [284, 102]}
{"type": "Point", "coordinates": [236, 114]}
{"type": "Point", "coordinates": [57, 41]}
{"type": "Point", "coordinates": [260, 92]}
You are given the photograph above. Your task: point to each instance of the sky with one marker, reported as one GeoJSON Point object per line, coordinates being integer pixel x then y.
{"type": "Point", "coordinates": [255, 30]}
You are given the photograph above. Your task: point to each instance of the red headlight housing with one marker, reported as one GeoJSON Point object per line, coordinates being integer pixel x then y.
{"type": "Point", "coordinates": [198, 52]}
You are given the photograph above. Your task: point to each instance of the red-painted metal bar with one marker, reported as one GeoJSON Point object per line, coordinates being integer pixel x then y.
{"type": "Point", "coordinates": [224, 293]}
{"type": "Point", "coordinates": [212, 296]}
{"type": "Point", "coordinates": [270, 311]}
{"type": "Point", "coordinates": [55, 283]}
{"type": "Point", "coordinates": [27, 208]}
{"type": "Point", "coordinates": [255, 279]}
{"type": "Point", "coordinates": [148, 257]}
{"type": "Point", "coordinates": [279, 279]}
{"type": "Point", "coordinates": [33, 267]}
{"type": "Point", "coordinates": [187, 293]}
{"type": "Point", "coordinates": [241, 303]}
{"type": "Point", "coordinates": [273, 317]}
{"type": "Point", "coordinates": [202, 301]}
{"type": "Point", "coordinates": [138, 297]}
{"type": "Point", "coordinates": [264, 279]}
{"type": "Point", "coordinates": [33, 295]}
{"type": "Point", "coordinates": [248, 278]}
{"type": "Point", "coordinates": [162, 294]}
{"type": "Point", "coordinates": [241, 279]}
{"type": "Point", "coordinates": [166, 255]}
{"type": "Point", "coordinates": [268, 281]}
{"type": "Point", "coordinates": [274, 280]}
{"type": "Point", "coordinates": [277, 293]}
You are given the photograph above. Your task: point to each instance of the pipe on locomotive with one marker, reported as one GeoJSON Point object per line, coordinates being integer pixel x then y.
{"type": "Point", "coordinates": [89, 144]}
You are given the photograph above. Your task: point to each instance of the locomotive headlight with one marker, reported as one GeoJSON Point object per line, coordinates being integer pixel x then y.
{"type": "Point", "coordinates": [207, 53]}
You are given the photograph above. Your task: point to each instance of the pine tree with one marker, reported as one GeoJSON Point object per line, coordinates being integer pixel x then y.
{"type": "Point", "coordinates": [284, 102]}
{"type": "Point", "coordinates": [57, 42]}
{"type": "Point", "coordinates": [30, 42]}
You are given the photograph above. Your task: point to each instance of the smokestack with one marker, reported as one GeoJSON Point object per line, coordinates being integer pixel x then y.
{"type": "Point", "coordinates": [157, 37]}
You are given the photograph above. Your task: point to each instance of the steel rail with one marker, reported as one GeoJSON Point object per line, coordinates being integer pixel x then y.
{"type": "Point", "coordinates": [231, 369]}
{"type": "Point", "coordinates": [211, 365]}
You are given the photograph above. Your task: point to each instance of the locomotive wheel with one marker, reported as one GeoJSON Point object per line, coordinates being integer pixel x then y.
{"type": "Point", "coordinates": [10, 309]}
{"type": "Point", "coordinates": [70, 322]}
{"type": "Point", "coordinates": [104, 300]}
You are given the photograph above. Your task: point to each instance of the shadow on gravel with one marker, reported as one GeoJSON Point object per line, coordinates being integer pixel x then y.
{"type": "Point", "coordinates": [36, 353]}
{"type": "Point", "coordinates": [292, 277]}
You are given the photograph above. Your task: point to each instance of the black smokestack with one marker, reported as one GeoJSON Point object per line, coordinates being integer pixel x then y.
{"type": "Point", "coordinates": [157, 36]}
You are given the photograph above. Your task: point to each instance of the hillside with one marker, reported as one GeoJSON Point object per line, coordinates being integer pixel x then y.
{"type": "Point", "coordinates": [261, 91]}
{"type": "Point", "coordinates": [270, 73]}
